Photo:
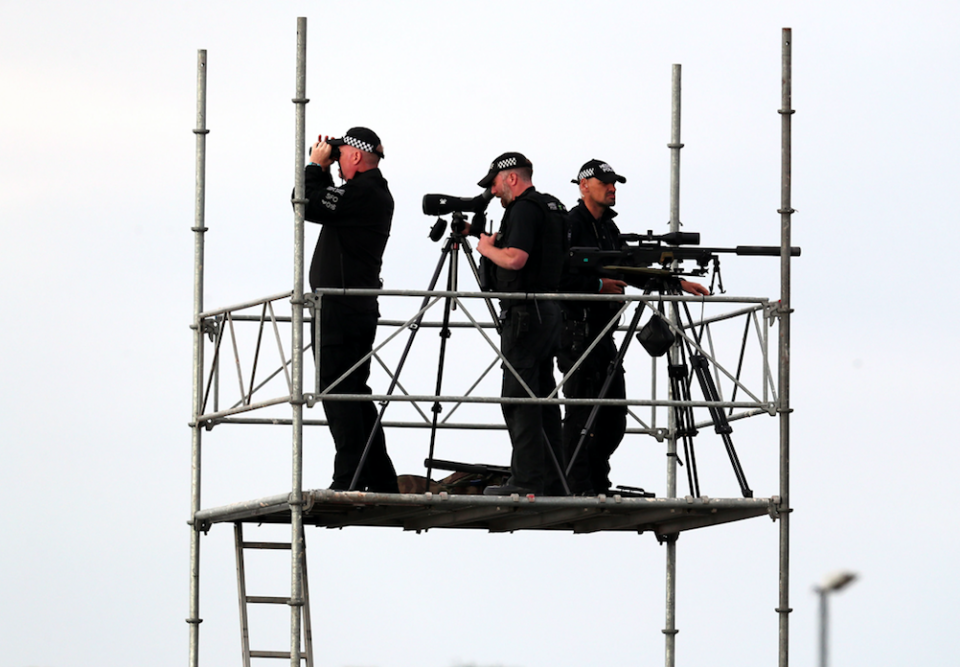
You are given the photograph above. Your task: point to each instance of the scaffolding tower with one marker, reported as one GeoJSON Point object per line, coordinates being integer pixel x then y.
{"type": "Point", "coordinates": [665, 517]}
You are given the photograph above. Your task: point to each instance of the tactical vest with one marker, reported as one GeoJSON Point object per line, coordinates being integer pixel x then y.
{"type": "Point", "coordinates": [542, 273]}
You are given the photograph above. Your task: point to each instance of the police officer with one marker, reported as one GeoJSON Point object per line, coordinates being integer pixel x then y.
{"type": "Point", "coordinates": [591, 224]}
{"type": "Point", "coordinates": [355, 219]}
{"type": "Point", "coordinates": [527, 255]}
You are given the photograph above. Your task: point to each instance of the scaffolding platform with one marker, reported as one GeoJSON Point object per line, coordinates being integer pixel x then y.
{"type": "Point", "coordinates": [497, 514]}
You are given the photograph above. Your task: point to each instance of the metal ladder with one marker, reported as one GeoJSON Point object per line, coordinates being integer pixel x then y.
{"type": "Point", "coordinates": [306, 651]}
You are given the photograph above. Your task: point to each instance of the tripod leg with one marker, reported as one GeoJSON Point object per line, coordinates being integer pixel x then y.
{"type": "Point", "coordinates": [556, 462]}
{"type": "Point", "coordinates": [608, 381]}
{"type": "Point", "coordinates": [444, 335]}
{"type": "Point", "coordinates": [685, 425]}
{"type": "Point", "coordinates": [468, 253]}
{"type": "Point", "coordinates": [720, 423]}
{"type": "Point", "coordinates": [414, 328]}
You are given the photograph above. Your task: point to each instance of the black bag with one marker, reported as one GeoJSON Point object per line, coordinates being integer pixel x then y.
{"type": "Point", "coordinates": [656, 336]}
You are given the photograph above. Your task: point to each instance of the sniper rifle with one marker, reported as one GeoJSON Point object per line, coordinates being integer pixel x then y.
{"type": "Point", "coordinates": [654, 256]}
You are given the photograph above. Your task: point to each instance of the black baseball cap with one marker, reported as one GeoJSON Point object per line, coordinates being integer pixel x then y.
{"type": "Point", "coordinates": [362, 138]}
{"type": "Point", "coordinates": [599, 170]}
{"type": "Point", "coordinates": [505, 161]}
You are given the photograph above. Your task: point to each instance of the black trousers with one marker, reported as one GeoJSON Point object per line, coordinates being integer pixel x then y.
{"type": "Point", "coordinates": [346, 336]}
{"type": "Point", "coordinates": [591, 468]}
{"type": "Point", "coordinates": [529, 339]}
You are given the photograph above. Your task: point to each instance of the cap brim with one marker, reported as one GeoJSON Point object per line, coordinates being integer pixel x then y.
{"type": "Point", "coordinates": [487, 180]}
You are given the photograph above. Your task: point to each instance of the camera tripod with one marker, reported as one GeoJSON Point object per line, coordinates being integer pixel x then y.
{"type": "Point", "coordinates": [680, 379]}
{"type": "Point", "coordinates": [449, 256]}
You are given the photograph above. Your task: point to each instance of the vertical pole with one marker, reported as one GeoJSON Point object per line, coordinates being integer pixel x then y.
{"type": "Point", "coordinates": [786, 112]}
{"type": "Point", "coordinates": [823, 626]}
{"type": "Point", "coordinates": [296, 399]}
{"type": "Point", "coordinates": [670, 629]}
{"type": "Point", "coordinates": [674, 147]}
{"type": "Point", "coordinates": [198, 231]}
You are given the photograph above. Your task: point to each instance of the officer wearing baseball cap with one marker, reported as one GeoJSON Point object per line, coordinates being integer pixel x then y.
{"type": "Point", "coordinates": [355, 221]}
{"type": "Point", "coordinates": [526, 254]}
{"type": "Point", "coordinates": [591, 224]}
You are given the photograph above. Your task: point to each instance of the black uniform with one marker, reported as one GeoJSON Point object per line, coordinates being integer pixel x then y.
{"type": "Point", "coordinates": [529, 339]}
{"type": "Point", "coordinates": [356, 220]}
{"type": "Point", "coordinates": [583, 320]}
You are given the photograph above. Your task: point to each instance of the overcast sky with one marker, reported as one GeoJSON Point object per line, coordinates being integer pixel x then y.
{"type": "Point", "coordinates": [96, 204]}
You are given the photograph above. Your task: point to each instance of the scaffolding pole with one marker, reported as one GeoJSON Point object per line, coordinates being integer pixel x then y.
{"type": "Point", "coordinates": [199, 230]}
{"type": "Point", "coordinates": [670, 630]}
{"type": "Point", "coordinates": [785, 211]}
{"type": "Point", "coordinates": [296, 397]}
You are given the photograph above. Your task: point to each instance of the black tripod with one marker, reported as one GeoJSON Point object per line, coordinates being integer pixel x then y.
{"type": "Point", "coordinates": [680, 386]}
{"type": "Point", "coordinates": [680, 378]}
{"type": "Point", "coordinates": [456, 239]}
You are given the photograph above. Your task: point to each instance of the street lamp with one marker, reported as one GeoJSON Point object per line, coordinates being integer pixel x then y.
{"type": "Point", "coordinates": [831, 583]}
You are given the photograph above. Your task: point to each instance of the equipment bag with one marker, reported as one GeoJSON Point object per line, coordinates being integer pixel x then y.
{"type": "Point", "coordinates": [656, 336]}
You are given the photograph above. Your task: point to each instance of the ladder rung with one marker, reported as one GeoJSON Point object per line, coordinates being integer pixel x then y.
{"type": "Point", "coordinates": [275, 654]}
{"type": "Point", "coordinates": [263, 599]}
{"type": "Point", "coordinates": [264, 545]}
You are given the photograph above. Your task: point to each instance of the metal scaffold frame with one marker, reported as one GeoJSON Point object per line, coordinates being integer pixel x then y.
{"type": "Point", "coordinates": [666, 517]}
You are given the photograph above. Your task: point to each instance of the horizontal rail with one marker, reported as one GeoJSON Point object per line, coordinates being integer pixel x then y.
{"type": "Point", "coordinates": [260, 506]}
{"type": "Point", "coordinates": [468, 325]}
{"type": "Point", "coordinates": [541, 296]}
{"type": "Point", "coordinates": [386, 424]}
{"type": "Point", "coordinates": [220, 416]}
{"type": "Point", "coordinates": [266, 545]}
{"type": "Point", "coordinates": [538, 401]}
{"type": "Point", "coordinates": [283, 655]}
{"type": "Point", "coordinates": [243, 408]}
{"type": "Point", "coordinates": [244, 305]}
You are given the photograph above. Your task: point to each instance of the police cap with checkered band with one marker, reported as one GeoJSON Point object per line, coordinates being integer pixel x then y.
{"type": "Point", "coordinates": [361, 138]}
{"type": "Point", "coordinates": [599, 170]}
{"type": "Point", "coordinates": [505, 161]}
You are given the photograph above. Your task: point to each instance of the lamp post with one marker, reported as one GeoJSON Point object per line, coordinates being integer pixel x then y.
{"type": "Point", "coordinates": [833, 582]}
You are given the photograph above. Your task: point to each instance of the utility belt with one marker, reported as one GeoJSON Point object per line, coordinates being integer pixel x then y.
{"type": "Point", "coordinates": [596, 315]}
{"type": "Point", "coordinates": [519, 314]}
{"type": "Point", "coordinates": [581, 324]}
